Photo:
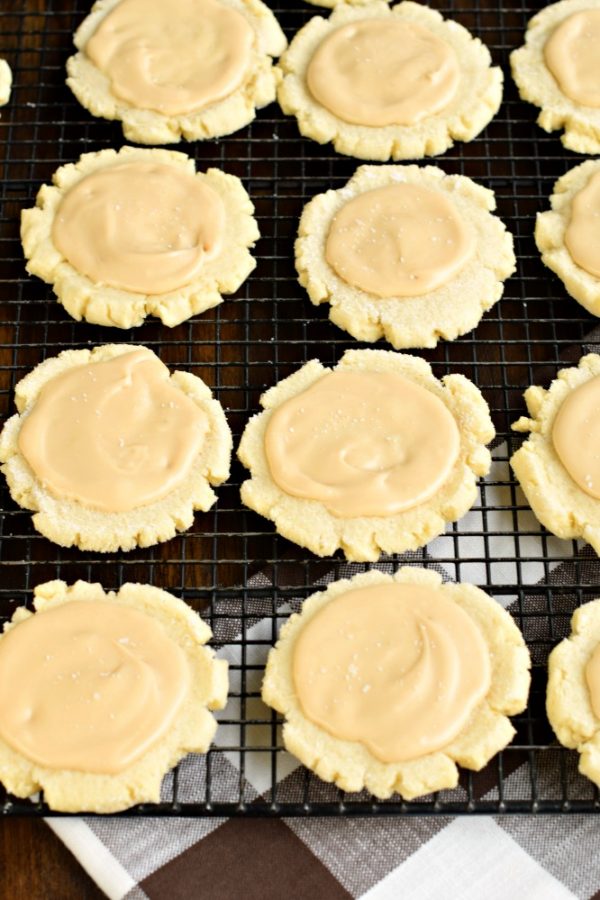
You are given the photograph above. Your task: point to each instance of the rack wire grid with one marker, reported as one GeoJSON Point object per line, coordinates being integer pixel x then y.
{"type": "Point", "coordinates": [231, 566]}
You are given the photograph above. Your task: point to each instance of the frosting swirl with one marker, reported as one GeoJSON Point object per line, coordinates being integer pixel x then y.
{"type": "Point", "coordinates": [398, 667]}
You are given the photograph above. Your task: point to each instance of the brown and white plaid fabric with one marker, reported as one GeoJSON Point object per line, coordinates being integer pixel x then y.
{"type": "Point", "coordinates": [550, 857]}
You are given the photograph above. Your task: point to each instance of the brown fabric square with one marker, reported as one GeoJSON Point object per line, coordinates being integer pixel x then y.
{"type": "Point", "coordinates": [259, 860]}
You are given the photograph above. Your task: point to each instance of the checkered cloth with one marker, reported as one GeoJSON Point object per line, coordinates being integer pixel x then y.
{"type": "Point", "coordinates": [551, 858]}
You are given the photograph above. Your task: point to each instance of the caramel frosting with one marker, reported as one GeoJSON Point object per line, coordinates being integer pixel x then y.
{"type": "Point", "coordinates": [92, 686]}
{"type": "Point", "coordinates": [140, 226]}
{"type": "Point", "coordinates": [399, 240]}
{"type": "Point", "coordinates": [576, 436]}
{"type": "Point", "coordinates": [398, 667]}
{"type": "Point", "coordinates": [582, 234]}
{"type": "Point", "coordinates": [378, 72]}
{"type": "Point", "coordinates": [174, 58]}
{"type": "Point", "coordinates": [362, 443]}
{"type": "Point", "coordinates": [113, 435]}
{"type": "Point", "coordinates": [571, 54]}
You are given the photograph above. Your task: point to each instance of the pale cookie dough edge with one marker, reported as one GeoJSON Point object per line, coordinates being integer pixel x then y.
{"type": "Point", "coordinates": [68, 523]}
{"type": "Point", "coordinates": [92, 88]}
{"type": "Point", "coordinates": [349, 764]}
{"type": "Point", "coordinates": [103, 305]}
{"type": "Point", "coordinates": [192, 730]}
{"type": "Point", "coordinates": [420, 321]}
{"type": "Point", "coordinates": [556, 500]}
{"type": "Point", "coordinates": [538, 86]}
{"type": "Point", "coordinates": [476, 102]}
{"type": "Point", "coordinates": [310, 524]}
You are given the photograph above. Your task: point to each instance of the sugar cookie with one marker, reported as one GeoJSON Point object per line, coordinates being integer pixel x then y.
{"type": "Point", "coordinates": [191, 69]}
{"type": "Point", "coordinates": [547, 74]}
{"type": "Point", "coordinates": [386, 82]}
{"type": "Point", "coordinates": [125, 234]}
{"type": "Point", "coordinates": [374, 456]}
{"type": "Point", "coordinates": [388, 683]}
{"type": "Point", "coordinates": [341, 254]}
{"type": "Point", "coordinates": [557, 466]}
{"type": "Point", "coordinates": [112, 452]}
{"type": "Point", "coordinates": [108, 692]}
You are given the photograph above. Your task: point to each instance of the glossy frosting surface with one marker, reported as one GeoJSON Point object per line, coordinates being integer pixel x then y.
{"type": "Point", "coordinates": [93, 686]}
{"type": "Point", "coordinates": [572, 55]}
{"type": "Point", "coordinates": [582, 235]}
{"type": "Point", "coordinates": [174, 57]}
{"type": "Point", "coordinates": [140, 226]}
{"type": "Point", "coordinates": [400, 240]}
{"type": "Point", "coordinates": [380, 72]}
{"type": "Point", "coordinates": [398, 667]}
{"type": "Point", "coordinates": [113, 435]}
{"type": "Point", "coordinates": [576, 436]}
{"type": "Point", "coordinates": [363, 443]}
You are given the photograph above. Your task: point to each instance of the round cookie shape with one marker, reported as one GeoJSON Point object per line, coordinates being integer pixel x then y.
{"type": "Point", "coordinates": [140, 227]}
{"type": "Point", "coordinates": [556, 70]}
{"type": "Point", "coordinates": [400, 239]}
{"type": "Point", "coordinates": [362, 444]}
{"type": "Point", "coordinates": [111, 451]}
{"type": "Point", "coordinates": [564, 503]}
{"type": "Point", "coordinates": [420, 659]}
{"type": "Point", "coordinates": [372, 459]}
{"type": "Point", "coordinates": [572, 695]}
{"type": "Point", "coordinates": [102, 666]}
{"type": "Point", "coordinates": [470, 270]}
{"type": "Point", "coordinates": [567, 234]}
{"type": "Point", "coordinates": [114, 436]}
{"type": "Point", "coordinates": [170, 61]}
{"type": "Point", "coordinates": [379, 72]}
{"type": "Point", "coordinates": [168, 241]}
{"type": "Point", "coordinates": [349, 726]}
{"type": "Point", "coordinates": [114, 669]}
{"type": "Point", "coordinates": [461, 90]}
{"type": "Point", "coordinates": [193, 69]}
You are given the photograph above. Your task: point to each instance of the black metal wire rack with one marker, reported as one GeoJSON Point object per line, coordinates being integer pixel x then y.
{"type": "Point", "coordinates": [231, 566]}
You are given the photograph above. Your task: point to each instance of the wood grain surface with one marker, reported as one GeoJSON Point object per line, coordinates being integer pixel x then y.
{"type": "Point", "coordinates": [35, 865]}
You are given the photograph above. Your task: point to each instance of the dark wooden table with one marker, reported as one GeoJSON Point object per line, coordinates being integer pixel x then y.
{"type": "Point", "coordinates": [35, 865]}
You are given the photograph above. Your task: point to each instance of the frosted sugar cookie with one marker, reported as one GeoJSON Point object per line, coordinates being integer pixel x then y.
{"type": "Point", "coordinates": [374, 456]}
{"type": "Point", "coordinates": [192, 69]}
{"type": "Point", "coordinates": [122, 235]}
{"type": "Point", "coordinates": [568, 235]}
{"type": "Point", "coordinates": [573, 695]}
{"type": "Point", "coordinates": [388, 683]}
{"type": "Point", "coordinates": [108, 691]}
{"type": "Point", "coordinates": [5, 82]}
{"type": "Point", "coordinates": [386, 82]}
{"type": "Point", "coordinates": [111, 451]}
{"type": "Point", "coordinates": [558, 70]}
{"type": "Point", "coordinates": [558, 465]}
{"type": "Point", "coordinates": [404, 252]}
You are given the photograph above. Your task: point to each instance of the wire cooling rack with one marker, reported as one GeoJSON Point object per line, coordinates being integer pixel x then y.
{"type": "Point", "coordinates": [231, 566]}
